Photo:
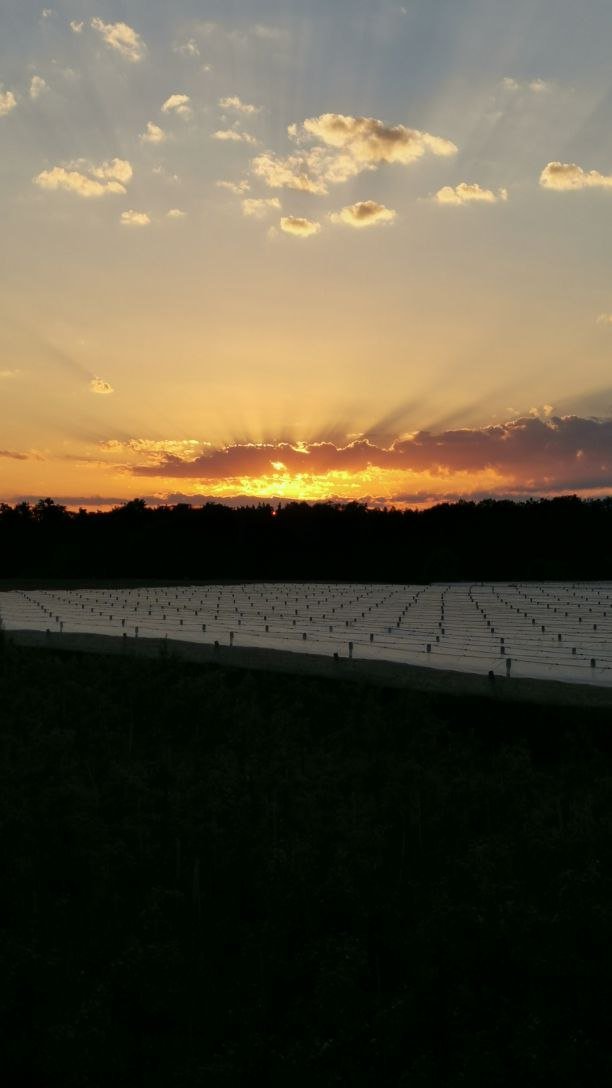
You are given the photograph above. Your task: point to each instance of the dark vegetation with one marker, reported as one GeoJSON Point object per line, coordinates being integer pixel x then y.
{"type": "Point", "coordinates": [563, 538]}
{"type": "Point", "coordinates": [227, 878]}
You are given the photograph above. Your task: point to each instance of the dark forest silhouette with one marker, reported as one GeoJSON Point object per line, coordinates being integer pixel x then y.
{"type": "Point", "coordinates": [560, 538]}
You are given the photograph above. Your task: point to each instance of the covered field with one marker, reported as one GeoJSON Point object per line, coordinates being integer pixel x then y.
{"type": "Point", "coordinates": [554, 631]}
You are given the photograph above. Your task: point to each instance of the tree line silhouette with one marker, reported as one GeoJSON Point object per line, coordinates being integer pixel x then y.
{"type": "Point", "coordinates": [558, 538]}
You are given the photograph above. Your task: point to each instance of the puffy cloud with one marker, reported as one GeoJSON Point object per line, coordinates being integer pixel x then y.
{"type": "Point", "coordinates": [568, 175]}
{"type": "Point", "coordinates": [178, 103]}
{"type": "Point", "coordinates": [38, 86]}
{"type": "Point", "coordinates": [7, 374]}
{"type": "Point", "coordinates": [122, 38]}
{"type": "Point", "coordinates": [117, 169]}
{"type": "Point", "coordinates": [175, 213]}
{"type": "Point", "coordinates": [469, 193]}
{"type": "Point", "coordinates": [153, 446]}
{"type": "Point", "coordinates": [289, 173]}
{"type": "Point", "coordinates": [100, 387]}
{"type": "Point", "coordinates": [135, 219]}
{"type": "Point", "coordinates": [537, 86]}
{"type": "Point", "coordinates": [108, 177]}
{"type": "Point", "coordinates": [190, 48]}
{"type": "Point", "coordinates": [233, 136]}
{"type": "Point", "coordinates": [372, 142]}
{"type": "Point", "coordinates": [258, 209]}
{"type": "Point", "coordinates": [7, 102]}
{"type": "Point", "coordinates": [76, 26]}
{"type": "Point", "coordinates": [234, 103]}
{"type": "Point", "coordinates": [236, 187]}
{"type": "Point", "coordinates": [347, 146]}
{"type": "Point", "coordinates": [153, 134]}
{"type": "Point", "coordinates": [301, 228]}
{"type": "Point", "coordinates": [549, 452]}
{"type": "Point", "coordinates": [604, 319]}
{"type": "Point", "coordinates": [366, 213]}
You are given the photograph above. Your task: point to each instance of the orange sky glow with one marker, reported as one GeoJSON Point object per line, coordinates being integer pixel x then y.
{"type": "Point", "coordinates": [314, 252]}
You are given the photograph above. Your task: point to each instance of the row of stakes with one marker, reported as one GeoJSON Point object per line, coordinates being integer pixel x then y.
{"type": "Point", "coordinates": [236, 610]}
{"type": "Point", "coordinates": [399, 621]}
{"type": "Point", "coordinates": [533, 622]}
{"type": "Point", "coordinates": [351, 646]}
{"type": "Point", "coordinates": [216, 643]}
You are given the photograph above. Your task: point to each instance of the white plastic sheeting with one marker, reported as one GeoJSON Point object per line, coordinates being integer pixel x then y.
{"type": "Point", "coordinates": [555, 631]}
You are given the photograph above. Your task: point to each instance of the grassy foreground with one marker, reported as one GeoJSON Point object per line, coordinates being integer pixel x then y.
{"type": "Point", "coordinates": [215, 877]}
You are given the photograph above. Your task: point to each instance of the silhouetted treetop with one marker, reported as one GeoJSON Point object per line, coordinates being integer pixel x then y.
{"type": "Point", "coordinates": [565, 537]}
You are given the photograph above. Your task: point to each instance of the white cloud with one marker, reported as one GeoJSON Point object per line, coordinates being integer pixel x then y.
{"type": "Point", "coordinates": [7, 102]}
{"type": "Point", "coordinates": [348, 146]}
{"type": "Point", "coordinates": [99, 386]}
{"type": "Point", "coordinates": [76, 26]}
{"type": "Point", "coordinates": [135, 219]}
{"type": "Point", "coordinates": [604, 319]}
{"type": "Point", "coordinates": [118, 169]}
{"type": "Point", "coordinates": [122, 38]}
{"type": "Point", "coordinates": [469, 193]}
{"type": "Point", "coordinates": [258, 209]}
{"type": "Point", "coordinates": [293, 172]}
{"type": "Point", "coordinates": [72, 181]}
{"type": "Point", "coordinates": [563, 176]}
{"type": "Point", "coordinates": [537, 86]}
{"type": "Point", "coordinates": [540, 86]}
{"type": "Point", "coordinates": [235, 103]}
{"type": "Point", "coordinates": [366, 213]}
{"type": "Point", "coordinates": [108, 177]}
{"type": "Point", "coordinates": [47, 13]}
{"type": "Point", "coordinates": [178, 103]}
{"type": "Point", "coordinates": [231, 135]}
{"type": "Point", "coordinates": [190, 48]}
{"type": "Point", "coordinates": [175, 213]}
{"type": "Point", "coordinates": [38, 86]}
{"type": "Point", "coordinates": [236, 187]}
{"type": "Point", "coordinates": [153, 134]}
{"type": "Point", "coordinates": [371, 141]}
{"type": "Point", "coordinates": [5, 375]}
{"type": "Point", "coordinates": [300, 228]}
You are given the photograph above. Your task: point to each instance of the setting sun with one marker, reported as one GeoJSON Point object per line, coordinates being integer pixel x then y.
{"type": "Point", "coordinates": [239, 270]}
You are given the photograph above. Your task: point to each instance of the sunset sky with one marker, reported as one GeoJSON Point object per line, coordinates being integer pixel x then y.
{"type": "Point", "coordinates": [349, 249]}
